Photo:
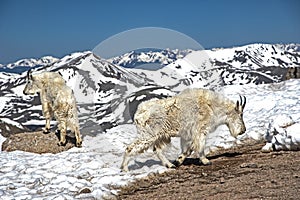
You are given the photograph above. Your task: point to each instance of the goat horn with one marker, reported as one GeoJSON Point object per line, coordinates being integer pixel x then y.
{"type": "Point", "coordinates": [29, 74]}
{"type": "Point", "coordinates": [243, 101]}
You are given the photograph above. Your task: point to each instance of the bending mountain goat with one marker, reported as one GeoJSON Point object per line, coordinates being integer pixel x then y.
{"type": "Point", "coordinates": [191, 115]}
{"type": "Point", "coordinates": [57, 100]}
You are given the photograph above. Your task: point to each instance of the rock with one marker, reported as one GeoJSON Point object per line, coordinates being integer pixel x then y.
{"type": "Point", "coordinates": [8, 126]}
{"type": "Point", "coordinates": [292, 73]}
{"type": "Point", "coordinates": [249, 165]}
{"type": "Point", "coordinates": [204, 174]}
{"type": "Point", "coordinates": [36, 142]}
{"type": "Point", "coordinates": [222, 180]}
{"type": "Point", "coordinates": [85, 191]}
{"type": "Point", "coordinates": [267, 148]}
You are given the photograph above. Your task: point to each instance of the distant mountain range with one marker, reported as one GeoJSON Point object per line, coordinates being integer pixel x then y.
{"type": "Point", "coordinates": [108, 91]}
{"type": "Point", "coordinates": [25, 64]}
{"type": "Point", "coordinates": [159, 59]}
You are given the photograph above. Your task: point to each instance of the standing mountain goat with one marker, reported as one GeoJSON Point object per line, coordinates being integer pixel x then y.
{"type": "Point", "coordinates": [57, 100]}
{"type": "Point", "coordinates": [191, 115]}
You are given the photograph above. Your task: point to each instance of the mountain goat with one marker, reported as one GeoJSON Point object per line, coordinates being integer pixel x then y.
{"type": "Point", "coordinates": [57, 100]}
{"type": "Point", "coordinates": [191, 115]}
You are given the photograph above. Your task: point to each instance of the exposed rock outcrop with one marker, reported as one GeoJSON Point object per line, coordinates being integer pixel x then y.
{"type": "Point", "coordinates": [8, 126]}
{"type": "Point", "coordinates": [292, 72]}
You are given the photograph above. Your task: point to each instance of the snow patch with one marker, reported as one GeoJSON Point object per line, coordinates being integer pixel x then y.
{"type": "Point", "coordinates": [282, 134]}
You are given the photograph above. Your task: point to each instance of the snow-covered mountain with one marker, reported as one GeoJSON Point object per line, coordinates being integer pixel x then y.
{"type": "Point", "coordinates": [108, 94]}
{"type": "Point", "coordinates": [25, 64]}
{"type": "Point", "coordinates": [289, 47]}
{"type": "Point", "coordinates": [32, 62]}
{"type": "Point", "coordinates": [159, 59]}
{"type": "Point", "coordinates": [255, 63]}
{"type": "Point", "coordinates": [164, 57]}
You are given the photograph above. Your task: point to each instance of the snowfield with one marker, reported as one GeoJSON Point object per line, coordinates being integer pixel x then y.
{"type": "Point", "coordinates": [90, 171]}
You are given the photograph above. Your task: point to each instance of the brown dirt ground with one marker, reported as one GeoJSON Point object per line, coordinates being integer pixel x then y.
{"type": "Point", "coordinates": [36, 142]}
{"type": "Point", "coordinates": [241, 173]}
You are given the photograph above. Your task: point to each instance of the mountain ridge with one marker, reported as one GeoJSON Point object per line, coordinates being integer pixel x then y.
{"type": "Point", "coordinates": [127, 60]}
{"type": "Point", "coordinates": [108, 94]}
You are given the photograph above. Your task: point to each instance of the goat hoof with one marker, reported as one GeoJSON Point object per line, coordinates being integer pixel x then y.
{"type": "Point", "coordinates": [62, 143]}
{"type": "Point", "coordinates": [124, 169]}
{"type": "Point", "coordinates": [79, 144]}
{"type": "Point", "coordinates": [176, 163]}
{"type": "Point", "coordinates": [46, 130]}
{"type": "Point", "coordinates": [208, 163]}
{"type": "Point", "coordinates": [171, 166]}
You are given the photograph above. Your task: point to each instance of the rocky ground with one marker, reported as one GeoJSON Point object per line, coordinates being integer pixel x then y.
{"type": "Point", "coordinates": [36, 142]}
{"type": "Point", "coordinates": [244, 173]}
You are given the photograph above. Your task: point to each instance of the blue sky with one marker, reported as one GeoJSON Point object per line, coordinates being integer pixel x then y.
{"type": "Point", "coordinates": [34, 28]}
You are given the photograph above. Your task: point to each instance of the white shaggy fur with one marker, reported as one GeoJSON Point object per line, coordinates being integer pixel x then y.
{"type": "Point", "coordinates": [191, 115]}
{"type": "Point", "coordinates": [57, 101]}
